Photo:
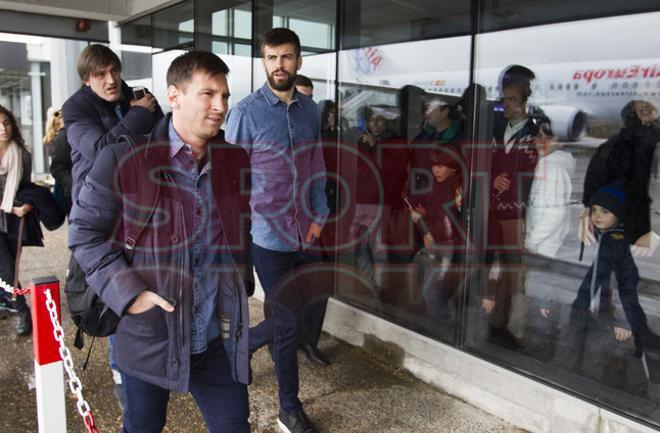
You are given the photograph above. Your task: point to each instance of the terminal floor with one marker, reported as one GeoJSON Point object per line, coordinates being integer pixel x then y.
{"type": "Point", "coordinates": [356, 394]}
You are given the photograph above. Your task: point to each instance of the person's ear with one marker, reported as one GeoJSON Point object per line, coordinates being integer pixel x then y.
{"type": "Point", "coordinates": [300, 62]}
{"type": "Point", "coordinates": [173, 97]}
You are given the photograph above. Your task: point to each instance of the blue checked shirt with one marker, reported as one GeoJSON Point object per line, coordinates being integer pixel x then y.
{"type": "Point", "coordinates": [288, 172]}
{"type": "Point", "coordinates": [203, 230]}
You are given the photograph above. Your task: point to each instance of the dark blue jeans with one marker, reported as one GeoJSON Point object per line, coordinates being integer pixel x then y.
{"type": "Point", "coordinates": [292, 292]}
{"type": "Point", "coordinates": [222, 401]}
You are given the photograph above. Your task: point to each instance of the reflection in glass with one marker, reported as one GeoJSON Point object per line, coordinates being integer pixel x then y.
{"type": "Point", "coordinates": [174, 26]}
{"type": "Point", "coordinates": [585, 320]}
{"type": "Point", "coordinates": [403, 162]}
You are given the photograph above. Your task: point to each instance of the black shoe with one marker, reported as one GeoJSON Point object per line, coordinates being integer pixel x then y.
{"type": "Point", "coordinates": [25, 323]}
{"type": "Point", "coordinates": [6, 304]}
{"type": "Point", "coordinates": [296, 422]}
{"type": "Point", "coordinates": [314, 354]}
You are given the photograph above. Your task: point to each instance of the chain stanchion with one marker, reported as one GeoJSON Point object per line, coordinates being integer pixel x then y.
{"type": "Point", "coordinates": [9, 289]}
{"type": "Point", "coordinates": [75, 386]}
{"type": "Point", "coordinates": [84, 410]}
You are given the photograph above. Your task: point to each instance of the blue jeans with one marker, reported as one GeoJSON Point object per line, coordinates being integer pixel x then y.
{"type": "Point", "coordinates": [222, 401]}
{"type": "Point", "coordinates": [120, 393]}
{"type": "Point", "coordinates": [291, 293]}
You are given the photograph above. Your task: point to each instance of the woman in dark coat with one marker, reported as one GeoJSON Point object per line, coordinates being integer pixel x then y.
{"type": "Point", "coordinates": [15, 170]}
{"type": "Point", "coordinates": [627, 157]}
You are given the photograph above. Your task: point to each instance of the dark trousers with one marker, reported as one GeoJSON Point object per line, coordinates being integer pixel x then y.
{"type": "Point", "coordinates": [7, 263]}
{"type": "Point", "coordinates": [510, 311]}
{"type": "Point", "coordinates": [293, 290]}
{"type": "Point", "coordinates": [629, 301]}
{"type": "Point", "coordinates": [222, 401]}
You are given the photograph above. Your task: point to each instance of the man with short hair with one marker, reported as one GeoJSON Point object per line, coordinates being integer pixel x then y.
{"type": "Point", "coordinates": [180, 283]}
{"type": "Point", "coordinates": [279, 128]}
{"type": "Point", "coordinates": [304, 85]}
{"type": "Point", "coordinates": [101, 111]}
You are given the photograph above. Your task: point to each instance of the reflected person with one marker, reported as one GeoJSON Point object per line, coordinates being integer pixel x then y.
{"type": "Point", "coordinates": [607, 214]}
{"type": "Point", "coordinates": [443, 124]}
{"type": "Point", "coordinates": [547, 222]}
{"type": "Point", "coordinates": [627, 157]}
{"type": "Point", "coordinates": [381, 172]}
{"type": "Point", "coordinates": [436, 215]}
{"type": "Point", "coordinates": [513, 160]}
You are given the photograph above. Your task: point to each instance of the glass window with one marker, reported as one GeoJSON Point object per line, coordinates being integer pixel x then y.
{"type": "Point", "coordinates": [243, 50]}
{"type": "Point", "coordinates": [369, 23]}
{"type": "Point", "coordinates": [137, 32]}
{"type": "Point", "coordinates": [242, 23]}
{"type": "Point", "coordinates": [173, 27]}
{"type": "Point", "coordinates": [219, 23]}
{"type": "Point", "coordinates": [402, 162]}
{"type": "Point", "coordinates": [220, 47]}
{"type": "Point", "coordinates": [498, 15]}
{"type": "Point", "coordinates": [135, 65]}
{"type": "Point", "coordinates": [224, 27]}
{"type": "Point", "coordinates": [533, 304]}
{"type": "Point", "coordinates": [314, 23]}
{"type": "Point", "coordinates": [315, 34]}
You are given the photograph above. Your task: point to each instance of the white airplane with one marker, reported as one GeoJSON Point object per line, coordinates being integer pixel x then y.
{"type": "Point", "coordinates": [571, 94]}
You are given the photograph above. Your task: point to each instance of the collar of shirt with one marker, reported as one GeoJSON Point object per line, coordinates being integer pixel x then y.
{"type": "Point", "coordinates": [177, 146]}
{"type": "Point", "coordinates": [273, 99]}
{"type": "Point", "coordinates": [176, 143]}
{"type": "Point", "coordinates": [510, 131]}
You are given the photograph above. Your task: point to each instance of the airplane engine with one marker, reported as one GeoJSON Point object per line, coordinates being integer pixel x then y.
{"type": "Point", "coordinates": [568, 123]}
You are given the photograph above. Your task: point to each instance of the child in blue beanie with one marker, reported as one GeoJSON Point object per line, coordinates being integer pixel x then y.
{"type": "Point", "coordinates": [608, 208]}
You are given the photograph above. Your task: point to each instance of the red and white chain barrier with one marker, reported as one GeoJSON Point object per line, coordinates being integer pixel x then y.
{"type": "Point", "coordinates": [50, 354]}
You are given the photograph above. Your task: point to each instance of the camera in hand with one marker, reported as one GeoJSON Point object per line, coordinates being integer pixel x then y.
{"type": "Point", "coordinates": [139, 92]}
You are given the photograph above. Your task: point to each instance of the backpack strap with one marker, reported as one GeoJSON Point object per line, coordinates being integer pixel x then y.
{"type": "Point", "coordinates": [138, 216]}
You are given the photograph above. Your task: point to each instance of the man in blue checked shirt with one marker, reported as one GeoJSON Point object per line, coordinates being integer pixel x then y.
{"type": "Point", "coordinates": [279, 128]}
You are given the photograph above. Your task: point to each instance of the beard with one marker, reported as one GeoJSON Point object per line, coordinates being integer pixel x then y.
{"type": "Point", "coordinates": [283, 86]}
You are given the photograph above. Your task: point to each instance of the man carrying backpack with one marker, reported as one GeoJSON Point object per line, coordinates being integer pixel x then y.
{"type": "Point", "coordinates": [102, 110]}
{"type": "Point", "coordinates": [162, 230]}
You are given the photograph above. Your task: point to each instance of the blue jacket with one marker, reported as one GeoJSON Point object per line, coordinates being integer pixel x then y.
{"type": "Point", "coordinates": [613, 255]}
{"type": "Point", "coordinates": [122, 189]}
{"type": "Point", "coordinates": [92, 123]}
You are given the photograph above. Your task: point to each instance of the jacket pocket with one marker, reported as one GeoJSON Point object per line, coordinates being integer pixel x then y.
{"type": "Point", "coordinates": [149, 324]}
{"type": "Point", "coordinates": [142, 343]}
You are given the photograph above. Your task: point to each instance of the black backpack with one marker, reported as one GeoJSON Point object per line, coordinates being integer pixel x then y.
{"type": "Point", "coordinates": [89, 313]}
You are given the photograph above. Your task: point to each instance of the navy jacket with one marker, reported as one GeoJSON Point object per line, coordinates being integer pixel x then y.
{"type": "Point", "coordinates": [613, 255]}
{"type": "Point", "coordinates": [92, 123]}
{"type": "Point", "coordinates": [124, 184]}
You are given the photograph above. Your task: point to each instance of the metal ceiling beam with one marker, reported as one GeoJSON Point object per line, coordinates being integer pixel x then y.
{"type": "Point", "coordinates": [102, 10]}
